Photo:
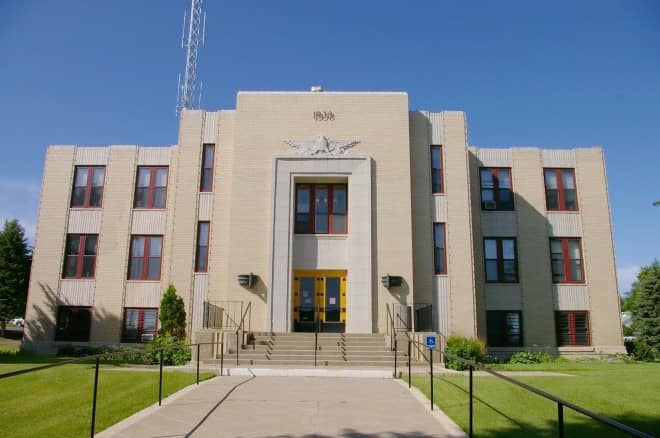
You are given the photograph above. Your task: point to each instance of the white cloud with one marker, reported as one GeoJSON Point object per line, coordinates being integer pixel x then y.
{"type": "Point", "coordinates": [627, 275]}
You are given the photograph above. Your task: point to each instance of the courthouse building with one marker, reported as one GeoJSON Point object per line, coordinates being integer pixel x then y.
{"type": "Point", "coordinates": [342, 209]}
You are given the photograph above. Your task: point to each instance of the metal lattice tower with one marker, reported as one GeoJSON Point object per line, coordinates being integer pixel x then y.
{"type": "Point", "coordinates": [191, 42]}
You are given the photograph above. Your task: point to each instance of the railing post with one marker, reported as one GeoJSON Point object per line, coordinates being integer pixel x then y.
{"type": "Point", "coordinates": [409, 363]}
{"type": "Point", "coordinates": [222, 356]}
{"type": "Point", "coordinates": [96, 387]}
{"type": "Point", "coordinates": [395, 354]}
{"type": "Point", "coordinates": [236, 347]}
{"type": "Point", "coordinates": [560, 419]}
{"type": "Point", "coordinates": [160, 380]}
{"type": "Point", "coordinates": [198, 364]}
{"type": "Point", "coordinates": [431, 363]}
{"type": "Point", "coordinates": [471, 410]}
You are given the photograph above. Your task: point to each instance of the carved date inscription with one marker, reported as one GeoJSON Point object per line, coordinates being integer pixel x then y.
{"type": "Point", "coordinates": [324, 116]}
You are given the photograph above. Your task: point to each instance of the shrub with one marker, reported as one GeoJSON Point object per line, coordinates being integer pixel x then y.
{"type": "Point", "coordinates": [643, 351]}
{"type": "Point", "coordinates": [69, 350]}
{"type": "Point", "coordinates": [469, 349]}
{"type": "Point", "coordinates": [179, 354]}
{"type": "Point", "coordinates": [172, 314]}
{"type": "Point", "coordinates": [527, 357]}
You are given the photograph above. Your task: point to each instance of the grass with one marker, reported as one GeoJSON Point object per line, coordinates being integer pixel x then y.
{"type": "Point", "coordinates": [57, 401]}
{"type": "Point", "coordinates": [626, 392]}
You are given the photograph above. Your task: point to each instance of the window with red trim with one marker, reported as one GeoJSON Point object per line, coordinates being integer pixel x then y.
{"type": "Point", "coordinates": [501, 260]}
{"type": "Point", "coordinates": [572, 328]}
{"type": "Point", "coordinates": [440, 251]}
{"type": "Point", "coordinates": [138, 322]}
{"type": "Point", "coordinates": [88, 187]}
{"type": "Point", "coordinates": [504, 328]}
{"type": "Point", "coordinates": [208, 158]}
{"type": "Point", "coordinates": [566, 256]}
{"type": "Point", "coordinates": [73, 323]}
{"type": "Point", "coordinates": [321, 209]}
{"type": "Point", "coordinates": [80, 256]}
{"type": "Point", "coordinates": [202, 253]}
{"type": "Point", "coordinates": [144, 262]}
{"type": "Point", "coordinates": [151, 187]}
{"type": "Point", "coordinates": [496, 192]}
{"type": "Point", "coordinates": [437, 182]}
{"type": "Point", "coordinates": [560, 191]}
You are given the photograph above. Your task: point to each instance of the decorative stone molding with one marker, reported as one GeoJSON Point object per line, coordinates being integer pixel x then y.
{"type": "Point", "coordinates": [321, 146]}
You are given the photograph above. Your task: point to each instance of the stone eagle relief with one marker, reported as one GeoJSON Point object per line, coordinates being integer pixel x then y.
{"type": "Point", "coordinates": [321, 146]}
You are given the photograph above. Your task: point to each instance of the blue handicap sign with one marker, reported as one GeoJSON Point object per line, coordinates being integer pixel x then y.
{"type": "Point", "coordinates": [430, 342]}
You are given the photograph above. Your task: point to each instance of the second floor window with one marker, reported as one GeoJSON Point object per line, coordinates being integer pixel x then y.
{"type": "Point", "coordinates": [144, 263]}
{"type": "Point", "coordinates": [504, 328]}
{"type": "Point", "coordinates": [80, 256]}
{"type": "Point", "coordinates": [501, 260]}
{"type": "Point", "coordinates": [321, 209]}
{"type": "Point", "coordinates": [208, 158]}
{"type": "Point", "coordinates": [437, 183]}
{"type": "Point", "coordinates": [88, 187]}
{"type": "Point", "coordinates": [151, 187]}
{"type": "Point", "coordinates": [440, 253]}
{"type": "Point", "coordinates": [202, 253]}
{"type": "Point", "coordinates": [560, 192]}
{"type": "Point", "coordinates": [567, 264]}
{"type": "Point", "coordinates": [496, 193]}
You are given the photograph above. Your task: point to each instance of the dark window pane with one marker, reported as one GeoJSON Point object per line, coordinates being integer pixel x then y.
{"type": "Point", "coordinates": [321, 200]}
{"type": "Point", "coordinates": [88, 266]}
{"type": "Point", "coordinates": [153, 270]}
{"type": "Point", "coordinates": [135, 270]}
{"type": "Point", "coordinates": [440, 260]}
{"type": "Point", "coordinates": [436, 162]}
{"type": "Point", "coordinates": [70, 266]}
{"type": "Point", "coordinates": [200, 266]}
{"type": "Point", "coordinates": [552, 197]}
{"type": "Point", "coordinates": [491, 270]}
{"type": "Point", "coordinates": [436, 181]}
{"type": "Point", "coordinates": [509, 270]}
{"type": "Point", "coordinates": [576, 270]}
{"type": "Point", "coordinates": [338, 223]}
{"type": "Point", "coordinates": [506, 200]}
{"type": "Point", "coordinates": [569, 200]}
{"type": "Point", "coordinates": [159, 197]}
{"type": "Point", "coordinates": [487, 181]}
{"type": "Point", "coordinates": [90, 245]}
{"type": "Point", "coordinates": [339, 200]}
{"type": "Point", "coordinates": [150, 320]}
{"type": "Point", "coordinates": [302, 223]}
{"type": "Point", "coordinates": [96, 196]}
{"type": "Point", "coordinates": [203, 235]}
{"type": "Point", "coordinates": [321, 223]}
{"type": "Point", "coordinates": [487, 195]}
{"type": "Point", "coordinates": [558, 270]}
{"type": "Point", "coordinates": [72, 245]}
{"type": "Point", "coordinates": [78, 197]}
{"type": "Point", "coordinates": [491, 248]}
{"type": "Point", "coordinates": [141, 197]}
{"type": "Point", "coordinates": [208, 156]}
{"type": "Point", "coordinates": [207, 175]}
{"type": "Point", "coordinates": [303, 200]}
{"type": "Point", "coordinates": [439, 235]}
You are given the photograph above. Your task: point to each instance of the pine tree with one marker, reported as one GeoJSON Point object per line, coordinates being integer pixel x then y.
{"type": "Point", "coordinates": [647, 312]}
{"type": "Point", "coordinates": [172, 314]}
{"type": "Point", "coordinates": [14, 272]}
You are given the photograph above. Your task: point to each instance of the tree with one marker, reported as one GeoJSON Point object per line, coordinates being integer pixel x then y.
{"type": "Point", "coordinates": [14, 272]}
{"type": "Point", "coordinates": [172, 314]}
{"type": "Point", "coordinates": [646, 314]}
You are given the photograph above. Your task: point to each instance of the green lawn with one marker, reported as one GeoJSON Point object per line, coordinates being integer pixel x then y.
{"type": "Point", "coordinates": [628, 393]}
{"type": "Point", "coordinates": [57, 401]}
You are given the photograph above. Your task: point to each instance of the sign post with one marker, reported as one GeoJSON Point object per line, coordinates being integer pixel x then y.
{"type": "Point", "coordinates": [430, 344]}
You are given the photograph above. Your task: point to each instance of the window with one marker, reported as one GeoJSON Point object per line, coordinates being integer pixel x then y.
{"type": "Point", "coordinates": [80, 256]}
{"type": "Point", "coordinates": [144, 263]}
{"type": "Point", "coordinates": [87, 187]}
{"type": "Point", "coordinates": [437, 185]}
{"type": "Point", "coordinates": [138, 322]}
{"type": "Point", "coordinates": [202, 258]}
{"type": "Point", "coordinates": [208, 153]}
{"type": "Point", "coordinates": [73, 323]}
{"type": "Point", "coordinates": [440, 253]}
{"type": "Point", "coordinates": [560, 193]}
{"type": "Point", "coordinates": [566, 255]}
{"type": "Point", "coordinates": [572, 328]}
{"type": "Point", "coordinates": [504, 328]}
{"type": "Point", "coordinates": [151, 187]}
{"type": "Point", "coordinates": [501, 260]}
{"type": "Point", "coordinates": [496, 191]}
{"type": "Point", "coordinates": [321, 209]}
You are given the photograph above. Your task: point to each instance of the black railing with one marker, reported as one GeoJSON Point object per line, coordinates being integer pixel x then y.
{"type": "Point", "coordinates": [97, 358]}
{"type": "Point", "coordinates": [561, 403]}
{"type": "Point", "coordinates": [241, 328]}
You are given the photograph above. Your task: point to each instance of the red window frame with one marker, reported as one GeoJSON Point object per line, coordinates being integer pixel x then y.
{"type": "Point", "coordinates": [567, 324]}
{"type": "Point", "coordinates": [71, 329]}
{"type": "Point", "coordinates": [561, 191]}
{"type": "Point", "coordinates": [495, 172]}
{"type": "Point", "coordinates": [437, 174]}
{"type": "Point", "coordinates": [496, 339]}
{"type": "Point", "coordinates": [139, 330]}
{"type": "Point", "coordinates": [566, 261]}
{"type": "Point", "coordinates": [206, 180]}
{"type": "Point", "coordinates": [202, 262]}
{"type": "Point", "coordinates": [89, 185]}
{"type": "Point", "coordinates": [146, 258]}
{"type": "Point", "coordinates": [500, 260]}
{"type": "Point", "coordinates": [151, 188]}
{"type": "Point", "coordinates": [440, 270]}
{"type": "Point", "coordinates": [311, 228]}
{"type": "Point", "coordinates": [80, 256]}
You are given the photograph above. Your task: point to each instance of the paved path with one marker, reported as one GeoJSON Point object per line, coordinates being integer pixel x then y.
{"type": "Point", "coordinates": [296, 407]}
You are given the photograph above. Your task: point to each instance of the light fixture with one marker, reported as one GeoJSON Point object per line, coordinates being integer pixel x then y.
{"type": "Point", "coordinates": [247, 280]}
{"type": "Point", "coordinates": [391, 280]}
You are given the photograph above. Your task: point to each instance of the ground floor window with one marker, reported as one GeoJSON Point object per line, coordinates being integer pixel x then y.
{"type": "Point", "coordinates": [73, 323]}
{"type": "Point", "coordinates": [572, 328]}
{"type": "Point", "coordinates": [139, 324]}
{"type": "Point", "coordinates": [504, 328]}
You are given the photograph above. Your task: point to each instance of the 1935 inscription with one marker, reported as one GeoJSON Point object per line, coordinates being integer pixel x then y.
{"type": "Point", "coordinates": [324, 116]}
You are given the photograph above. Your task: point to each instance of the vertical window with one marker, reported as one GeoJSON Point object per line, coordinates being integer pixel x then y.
{"type": "Point", "coordinates": [138, 323]}
{"type": "Point", "coordinates": [321, 209]}
{"type": "Point", "coordinates": [202, 258]}
{"type": "Point", "coordinates": [572, 328]}
{"type": "Point", "coordinates": [440, 253]}
{"type": "Point", "coordinates": [73, 323]}
{"type": "Point", "coordinates": [504, 328]}
{"type": "Point", "coordinates": [80, 256]}
{"type": "Point", "coordinates": [437, 185]}
{"type": "Point", "coordinates": [501, 260]}
{"type": "Point", "coordinates": [566, 255]}
{"type": "Point", "coordinates": [151, 187]}
{"type": "Point", "coordinates": [208, 158]}
{"type": "Point", "coordinates": [144, 263]}
{"type": "Point", "coordinates": [496, 193]}
{"type": "Point", "coordinates": [88, 187]}
{"type": "Point", "coordinates": [560, 192]}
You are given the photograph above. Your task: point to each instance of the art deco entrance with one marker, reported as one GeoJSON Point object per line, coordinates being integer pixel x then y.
{"type": "Point", "coordinates": [319, 299]}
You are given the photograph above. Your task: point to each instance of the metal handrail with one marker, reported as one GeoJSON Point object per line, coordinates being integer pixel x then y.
{"type": "Point", "coordinates": [391, 328]}
{"type": "Point", "coordinates": [241, 329]}
{"type": "Point", "coordinates": [317, 321]}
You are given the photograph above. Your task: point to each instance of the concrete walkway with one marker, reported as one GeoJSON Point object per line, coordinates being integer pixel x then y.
{"type": "Point", "coordinates": [296, 407]}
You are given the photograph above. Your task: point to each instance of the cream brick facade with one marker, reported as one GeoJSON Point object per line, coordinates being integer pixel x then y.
{"type": "Point", "coordinates": [391, 212]}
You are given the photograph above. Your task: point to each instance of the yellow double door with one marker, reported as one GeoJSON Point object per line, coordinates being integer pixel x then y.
{"type": "Point", "coordinates": [319, 297]}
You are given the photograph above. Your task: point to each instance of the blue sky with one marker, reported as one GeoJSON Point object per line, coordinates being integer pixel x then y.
{"type": "Point", "coordinates": [556, 75]}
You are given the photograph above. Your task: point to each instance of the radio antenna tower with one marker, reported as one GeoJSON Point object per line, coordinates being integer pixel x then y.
{"type": "Point", "coordinates": [191, 42]}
